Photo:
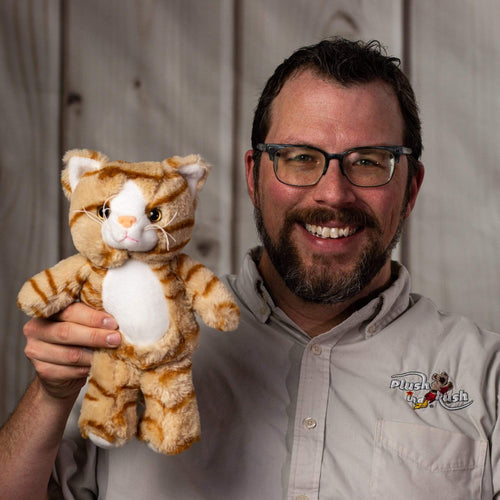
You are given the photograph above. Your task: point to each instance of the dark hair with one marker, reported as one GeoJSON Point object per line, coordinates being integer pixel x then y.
{"type": "Point", "coordinates": [347, 62]}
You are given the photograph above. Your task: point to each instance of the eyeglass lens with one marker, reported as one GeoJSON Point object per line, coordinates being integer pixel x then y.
{"type": "Point", "coordinates": [303, 166]}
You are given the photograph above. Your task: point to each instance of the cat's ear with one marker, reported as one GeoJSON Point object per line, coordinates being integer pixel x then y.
{"type": "Point", "coordinates": [77, 163]}
{"type": "Point", "coordinates": [193, 168]}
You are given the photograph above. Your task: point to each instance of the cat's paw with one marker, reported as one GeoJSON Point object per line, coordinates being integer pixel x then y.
{"type": "Point", "coordinates": [228, 316]}
{"type": "Point", "coordinates": [100, 442]}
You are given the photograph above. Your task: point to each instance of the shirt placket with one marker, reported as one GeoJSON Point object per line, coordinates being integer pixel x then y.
{"type": "Point", "coordinates": [310, 417]}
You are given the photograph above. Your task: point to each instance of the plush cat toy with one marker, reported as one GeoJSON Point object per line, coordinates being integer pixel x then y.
{"type": "Point", "coordinates": [129, 222]}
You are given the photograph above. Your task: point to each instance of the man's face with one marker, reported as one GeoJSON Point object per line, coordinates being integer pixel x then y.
{"type": "Point", "coordinates": [297, 224]}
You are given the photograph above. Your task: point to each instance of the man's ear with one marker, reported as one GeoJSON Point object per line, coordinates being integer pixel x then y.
{"type": "Point", "coordinates": [415, 185]}
{"type": "Point", "coordinates": [249, 169]}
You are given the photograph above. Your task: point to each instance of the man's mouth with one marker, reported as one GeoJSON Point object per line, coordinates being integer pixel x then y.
{"type": "Point", "coordinates": [331, 232]}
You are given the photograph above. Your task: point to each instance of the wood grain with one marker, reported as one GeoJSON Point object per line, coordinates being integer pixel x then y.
{"type": "Point", "coordinates": [29, 170]}
{"type": "Point", "coordinates": [148, 80]}
{"type": "Point", "coordinates": [455, 229]}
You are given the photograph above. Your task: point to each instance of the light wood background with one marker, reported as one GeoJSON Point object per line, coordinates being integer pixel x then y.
{"type": "Point", "coordinates": [147, 79]}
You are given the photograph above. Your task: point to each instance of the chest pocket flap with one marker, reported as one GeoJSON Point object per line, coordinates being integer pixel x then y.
{"type": "Point", "coordinates": [422, 462]}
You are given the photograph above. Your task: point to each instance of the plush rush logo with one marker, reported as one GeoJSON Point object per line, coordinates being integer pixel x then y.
{"type": "Point", "coordinates": [421, 393]}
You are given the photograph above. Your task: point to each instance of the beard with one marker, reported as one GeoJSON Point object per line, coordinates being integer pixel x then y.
{"type": "Point", "coordinates": [324, 282]}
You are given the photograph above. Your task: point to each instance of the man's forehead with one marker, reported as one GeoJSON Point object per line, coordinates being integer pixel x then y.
{"type": "Point", "coordinates": [356, 106]}
{"type": "Point", "coordinates": [301, 81]}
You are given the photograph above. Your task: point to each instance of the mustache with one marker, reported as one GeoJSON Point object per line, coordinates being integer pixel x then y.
{"type": "Point", "coordinates": [318, 216]}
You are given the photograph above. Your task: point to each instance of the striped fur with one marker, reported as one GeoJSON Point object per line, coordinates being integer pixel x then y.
{"type": "Point", "coordinates": [158, 372]}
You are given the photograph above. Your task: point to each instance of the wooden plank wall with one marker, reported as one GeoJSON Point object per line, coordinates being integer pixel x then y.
{"type": "Point", "coordinates": [148, 79]}
{"type": "Point", "coordinates": [29, 156]}
{"type": "Point", "coordinates": [454, 237]}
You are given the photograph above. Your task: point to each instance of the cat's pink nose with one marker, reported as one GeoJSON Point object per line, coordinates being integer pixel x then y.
{"type": "Point", "coordinates": [126, 220]}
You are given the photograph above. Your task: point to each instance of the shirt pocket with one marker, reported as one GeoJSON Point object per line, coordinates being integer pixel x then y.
{"type": "Point", "coordinates": [419, 462]}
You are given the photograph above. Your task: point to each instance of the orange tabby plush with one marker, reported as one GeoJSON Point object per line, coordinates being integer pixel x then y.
{"type": "Point", "coordinates": [129, 222]}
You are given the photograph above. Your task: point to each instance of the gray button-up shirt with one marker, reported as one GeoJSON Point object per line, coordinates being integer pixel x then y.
{"type": "Point", "coordinates": [398, 401]}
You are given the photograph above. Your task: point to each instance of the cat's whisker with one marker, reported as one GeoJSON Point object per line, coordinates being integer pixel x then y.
{"type": "Point", "coordinates": [105, 205]}
{"type": "Point", "coordinates": [108, 199]}
{"type": "Point", "coordinates": [163, 230]}
{"type": "Point", "coordinates": [89, 215]}
{"type": "Point", "coordinates": [171, 219]}
{"type": "Point", "coordinates": [165, 233]}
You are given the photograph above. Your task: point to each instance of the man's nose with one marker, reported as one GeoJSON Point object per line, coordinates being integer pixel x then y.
{"type": "Point", "coordinates": [334, 188]}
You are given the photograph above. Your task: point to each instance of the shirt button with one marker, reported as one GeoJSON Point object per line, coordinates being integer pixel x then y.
{"type": "Point", "coordinates": [302, 497]}
{"type": "Point", "coordinates": [309, 423]}
{"type": "Point", "coordinates": [371, 329]}
{"type": "Point", "coordinates": [316, 349]}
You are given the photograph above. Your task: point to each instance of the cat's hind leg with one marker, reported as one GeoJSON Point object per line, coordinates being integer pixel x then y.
{"type": "Point", "coordinates": [109, 410]}
{"type": "Point", "coordinates": [170, 423]}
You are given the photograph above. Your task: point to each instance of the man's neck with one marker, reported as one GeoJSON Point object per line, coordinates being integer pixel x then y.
{"type": "Point", "coordinates": [313, 318]}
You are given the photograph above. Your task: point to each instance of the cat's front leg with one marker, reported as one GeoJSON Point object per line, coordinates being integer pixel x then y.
{"type": "Point", "coordinates": [209, 297]}
{"type": "Point", "coordinates": [55, 288]}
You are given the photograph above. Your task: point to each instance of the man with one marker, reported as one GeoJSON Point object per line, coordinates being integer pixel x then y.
{"type": "Point", "coordinates": [321, 392]}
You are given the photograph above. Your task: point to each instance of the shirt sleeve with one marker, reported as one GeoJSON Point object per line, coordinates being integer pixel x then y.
{"type": "Point", "coordinates": [491, 385]}
{"type": "Point", "coordinates": [74, 473]}
{"type": "Point", "coordinates": [495, 449]}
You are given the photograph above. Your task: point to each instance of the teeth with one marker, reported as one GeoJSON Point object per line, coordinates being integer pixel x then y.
{"type": "Point", "coordinates": [330, 232]}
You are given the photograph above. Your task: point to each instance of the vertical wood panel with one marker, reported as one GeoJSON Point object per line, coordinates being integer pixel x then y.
{"type": "Point", "coordinates": [149, 79]}
{"type": "Point", "coordinates": [29, 171]}
{"type": "Point", "coordinates": [455, 232]}
{"type": "Point", "coordinates": [270, 32]}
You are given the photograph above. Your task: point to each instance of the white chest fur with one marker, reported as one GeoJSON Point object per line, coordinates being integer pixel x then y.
{"type": "Point", "coordinates": [133, 295]}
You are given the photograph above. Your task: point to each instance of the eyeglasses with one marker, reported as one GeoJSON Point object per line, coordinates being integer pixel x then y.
{"type": "Point", "coordinates": [302, 166]}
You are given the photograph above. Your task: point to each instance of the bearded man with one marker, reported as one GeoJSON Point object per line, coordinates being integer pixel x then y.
{"type": "Point", "coordinates": [319, 394]}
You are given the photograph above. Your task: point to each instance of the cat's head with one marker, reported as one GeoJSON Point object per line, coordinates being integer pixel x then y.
{"type": "Point", "coordinates": [120, 209]}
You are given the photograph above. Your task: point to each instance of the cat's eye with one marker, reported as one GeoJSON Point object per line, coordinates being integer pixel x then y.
{"type": "Point", "coordinates": [103, 212]}
{"type": "Point", "coordinates": [154, 215]}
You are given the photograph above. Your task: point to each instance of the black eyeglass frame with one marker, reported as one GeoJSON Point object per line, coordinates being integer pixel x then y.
{"type": "Point", "coordinates": [271, 149]}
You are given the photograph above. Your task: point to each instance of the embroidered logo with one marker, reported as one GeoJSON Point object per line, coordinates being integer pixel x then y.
{"type": "Point", "coordinates": [421, 393]}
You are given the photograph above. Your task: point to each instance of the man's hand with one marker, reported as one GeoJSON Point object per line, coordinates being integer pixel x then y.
{"type": "Point", "coordinates": [60, 348]}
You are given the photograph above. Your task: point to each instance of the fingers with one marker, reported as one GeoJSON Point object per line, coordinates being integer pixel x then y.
{"type": "Point", "coordinates": [68, 333]}
{"type": "Point", "coordinates": [84, 315]}
{"type": "Point", "coordinates": [38, 350]}
{"type": "Point", "coordinates": [61, 382]}
{"type": "Point", "coordinates": [61, 369]}
{"type": "Point", "coordinates": [54, 375]}
{"type": "Point", "coordinates": [78, 325]}
{"type": "Point", "coordinates": [60, 348]}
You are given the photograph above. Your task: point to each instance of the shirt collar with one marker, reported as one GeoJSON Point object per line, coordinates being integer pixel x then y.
{"type": "Point", "coordinates": [390, 304]}
{"type": "Point", "coordinates": [249, 285]}
{"type": "Point", "coordinates": [371, 318]}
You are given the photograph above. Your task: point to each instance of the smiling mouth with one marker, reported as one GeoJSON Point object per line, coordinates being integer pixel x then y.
{"type": "Point", "coordinates": [331, 232]}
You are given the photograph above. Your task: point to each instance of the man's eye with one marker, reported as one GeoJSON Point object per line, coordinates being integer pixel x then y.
{"type": "Point", "coordinates": [368, 162]}
{"type": "Point", "coordinates": [297, 158]}
{"type": "Point", "coordinates": [303, 158]}
{"type": "Point", "coordinates": [365, 162]}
